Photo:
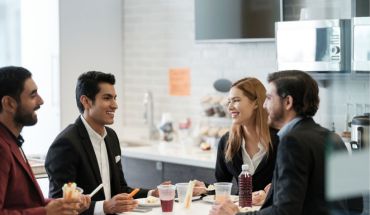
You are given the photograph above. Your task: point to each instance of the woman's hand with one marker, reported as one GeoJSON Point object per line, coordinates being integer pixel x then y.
{"type": "Point", "coordinates": [258, 197]}
{"type": "Point", "coordinates": [155, 192]}
{"type": "Point", "coordinates": [267, 188]}
{"type": "Point", "coordinates": [199, 188]}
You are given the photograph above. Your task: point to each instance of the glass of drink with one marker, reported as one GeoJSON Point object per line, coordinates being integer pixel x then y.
{"type": "Point", "coordinates": [223, 191]}
{"type": "Point", "coordinates": [181, 191]}
{"type": "Point", "coordinates": [167, 195]}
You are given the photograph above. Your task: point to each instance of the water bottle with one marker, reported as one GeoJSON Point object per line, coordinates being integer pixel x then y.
{"type": "Point", "coordinates": [245, 187]}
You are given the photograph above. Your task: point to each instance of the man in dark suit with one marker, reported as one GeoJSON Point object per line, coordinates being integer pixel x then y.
{"type": "Point", "coordinates": [88, 152]}
{"type": "Point", "coordinates": [298, 185]}
{"type": "Point", "coordinates": [19, 190]}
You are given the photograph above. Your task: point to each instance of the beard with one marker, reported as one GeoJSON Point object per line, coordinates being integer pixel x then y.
{"type": "Point", "coordinates": [25, 118]}
{"type": "Point", "coordinates": [276, 117]}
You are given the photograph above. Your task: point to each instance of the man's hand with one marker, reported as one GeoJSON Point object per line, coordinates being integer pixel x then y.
{"type": "Point", "coordinates": [156, 192]}
{"type": "Point", "coordinates": [225, 208]}
{"type": "Point", "coordinates": [62, 207]}
{"type": "Point", "coordinates": [119, 203]}
{"type": "Point", "coordinates": [85, 202]}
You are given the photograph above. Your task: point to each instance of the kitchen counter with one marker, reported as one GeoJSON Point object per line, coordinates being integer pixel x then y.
{"type": "Point", "coordinates": [38, 167]}
{"type": "Point", "coordinates": [172, 152]}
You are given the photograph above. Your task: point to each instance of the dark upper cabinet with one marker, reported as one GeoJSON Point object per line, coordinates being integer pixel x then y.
{"type": "Point", "coordinates": [236, 19]}
{"type": "Point", "coordinates": [362, 8]}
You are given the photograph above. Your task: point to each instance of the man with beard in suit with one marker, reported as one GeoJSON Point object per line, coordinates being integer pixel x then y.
{"type": "Point", "coordinates": [19, 190]}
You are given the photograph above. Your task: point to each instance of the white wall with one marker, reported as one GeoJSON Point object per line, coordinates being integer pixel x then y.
{"type": "Point", "coordinates": [9, 32]}
{"type": "Point", "coordinates": [90, 39]}
{"type": "Point", "coordinates": [39, 54]}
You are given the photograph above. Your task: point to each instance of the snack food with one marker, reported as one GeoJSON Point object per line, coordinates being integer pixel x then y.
{"type": "Point", "coordinates": [71, 191]}
{"type": "Point", "coordinates": [133, 193]}
{"type": "Point", "coordinates": [205, 146]}
{"type": "Point", "coordinates": [151, 200]}
{"type": "Point", "coordinates": [210, 187]}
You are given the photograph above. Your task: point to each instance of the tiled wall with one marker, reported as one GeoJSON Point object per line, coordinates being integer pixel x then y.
{"type": "Point", "coordinates": [346, 96]}
{"type": "Point", "coordinates": [158, 35]}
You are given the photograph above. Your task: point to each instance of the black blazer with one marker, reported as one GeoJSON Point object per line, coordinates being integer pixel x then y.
{"type": "Point", "coordinates": [226, 171]}
{"type": "Point", "coordinates": [298, 182]}
{"type": "Point", "coordinates": [71, 158]}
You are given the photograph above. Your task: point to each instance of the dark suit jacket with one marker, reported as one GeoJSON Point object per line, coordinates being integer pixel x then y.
{"type": "Point", "coordinates": [71, 158]}
{"type": "Point", "coordinates": [19, 190]}
{"type": "Point", "coordinates": [225, 171]}
{"type": "Point", "coordinates": [298, 182]}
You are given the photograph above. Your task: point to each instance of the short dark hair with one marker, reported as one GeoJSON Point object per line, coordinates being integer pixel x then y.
{"type": "Point", "coordinates": [88, 85]}
{"type": "Point", "coordinates": [12, 80]}
{"type": "Point", "coordinates": [301, 87]}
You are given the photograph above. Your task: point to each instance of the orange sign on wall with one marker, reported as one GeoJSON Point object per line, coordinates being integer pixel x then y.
{"type": "Point", "coordinates": [179, 81]}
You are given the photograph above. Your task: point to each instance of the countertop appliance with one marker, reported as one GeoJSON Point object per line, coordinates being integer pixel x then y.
{"type": "Point", "coordinates": [360, 132]}
{"type": "Point", "coordinates": [361, 44]}
{"type": "Point", "coordinates": [314, 45]}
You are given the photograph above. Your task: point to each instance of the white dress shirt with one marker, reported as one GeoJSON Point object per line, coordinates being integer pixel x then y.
{"type": "Point", "coordinates": [102, 157]}
{"type": "Point", "coordinates": [255, 160]}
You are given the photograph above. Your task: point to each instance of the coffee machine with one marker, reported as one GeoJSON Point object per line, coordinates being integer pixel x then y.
{"type": "Point", "coordinates": [360, 132]}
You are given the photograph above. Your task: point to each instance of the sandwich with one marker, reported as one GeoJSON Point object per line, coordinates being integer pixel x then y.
{"type": "Point", "coordinates": [70, 191]}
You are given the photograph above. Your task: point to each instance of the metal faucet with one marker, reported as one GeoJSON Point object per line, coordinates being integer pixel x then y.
{"type": "Point", "coordinates": [149, 115]}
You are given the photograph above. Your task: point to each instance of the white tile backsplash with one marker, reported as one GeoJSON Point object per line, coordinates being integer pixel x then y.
{"type": "Point", "coordinates": [353, 91]}
{"type": "Point", "coordinates": [158, 35]}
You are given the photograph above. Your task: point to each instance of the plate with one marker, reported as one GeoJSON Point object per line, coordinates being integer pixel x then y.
{"type": "Point", "coordinates": [143, 202]}
{"type": "Point", "coordinates": [211, 198]}
{"type": "Point", "coordinates": [194, 198]}
{"type": "Point", "coordinates": [249, 209]}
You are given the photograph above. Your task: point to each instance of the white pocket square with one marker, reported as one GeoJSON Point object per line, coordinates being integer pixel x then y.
{"type": "Point", "coordinates": [118, 158]}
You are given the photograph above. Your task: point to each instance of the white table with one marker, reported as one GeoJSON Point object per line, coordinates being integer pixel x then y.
{"type": "Point", "coordinates": [197, 208]}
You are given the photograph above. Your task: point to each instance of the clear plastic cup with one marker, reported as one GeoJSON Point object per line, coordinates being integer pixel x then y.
{"type": "Point", "coordinates": [75, 195]}
{"type": "Point", "coordinates": [167, 196]}
{"type": "Point", "coordinates": [223, 191]}
{"type": "Point", "coordinates": [181, 189]}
